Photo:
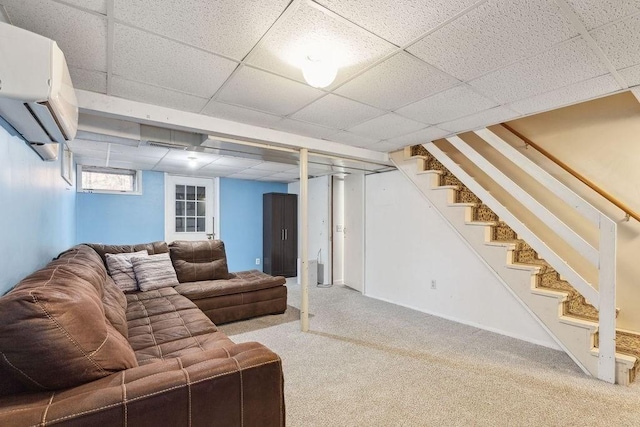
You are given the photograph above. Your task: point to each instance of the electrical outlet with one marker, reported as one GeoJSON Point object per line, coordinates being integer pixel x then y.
{"type": "Point", "coordinates": [257, 261]}
{"type": "Point", "coordinates": [433, 284]}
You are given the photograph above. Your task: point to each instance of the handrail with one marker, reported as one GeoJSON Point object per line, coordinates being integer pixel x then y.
{"type": "Point", "coordinates": [627, 210]}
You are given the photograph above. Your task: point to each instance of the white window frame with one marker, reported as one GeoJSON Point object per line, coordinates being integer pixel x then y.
{"type": "Point", "coordinates": [137, 179]}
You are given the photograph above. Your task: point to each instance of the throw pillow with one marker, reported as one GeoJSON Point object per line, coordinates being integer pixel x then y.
{"type": "Point", "coordinates": [121, 269]}
{"type": "Point", "coordinates": [154, 272]}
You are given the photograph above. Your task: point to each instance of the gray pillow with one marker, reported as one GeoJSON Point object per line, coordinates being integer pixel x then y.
{"type": "Point", "coordinates": [154, 272]}
{"type": "Point", "coordinates": [121, 269]}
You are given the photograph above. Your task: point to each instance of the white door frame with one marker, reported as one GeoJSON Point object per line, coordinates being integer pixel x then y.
{"type": "Point", "coordinates": [213, 204]}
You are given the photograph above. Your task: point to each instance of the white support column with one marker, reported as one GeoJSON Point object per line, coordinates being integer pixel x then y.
{"type": "Point", "coordinates": [304, 241]}
{"type": "Point", "coordinates": [607, 305]}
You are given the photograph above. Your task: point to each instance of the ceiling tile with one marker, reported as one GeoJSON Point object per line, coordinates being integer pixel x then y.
{"type": "Point", "coordinates": [385, 147]}
{"type": "Point", "coordinates": [493, 35]}
{"type": "Point", "coordinates": [621, 42]}
{"type": "Point", "coordinates": [595, 13]}
{"type": "Point", "coordinates": [398, 81]}
{"type": "Point", "coordinates": [137, 164]}
{"type": "Point", "coordinates": [251, 174]}
{"type": "Point", "coordinates": [90, 161]}
{"type": "Point", "coordinates": [80, 146]}
{"type": "Point", "coordinates": [267, 92]}
{"type": "Point", "coordinates": [99, 6]}
{"type": "Point", "coordinates": [284, 177]}
{"type": "Point", "coordinates": [236, 162]}
{"type": "Point", "coordinates": [448, 105]}
{"type": "Point", "coordinates": [480, 120]}
{"type": "Point", "coordinates": [142, 151]}
{"type": "Point", "coordinates": [352, 139]}
{"type": "Point", "coordinates": [141, 92]}
{"type": "Point", "coordinates": [387, 126]}
{"type": "Point", "coordinates": [420, 137]}
{"type": "Point", "coordinates": [337, 112]}
{"type": "Point", "coordinates": [303, 128]}
{"type": "Point", "coordinates": [273, 167]}
{"type": "Point", "coordinates": [561, 66]}
{"type": "Point", "coordinates": [82, 36]}
{"type": "Point", "coordinates": [308, 31]}
{"type": "Point", "coordinates": [221, 170]}
{"type": "Point", "coordinates": [398, 21]}
{"type": "Point", "coordinates": [631, 75]}
{"type": "Point", "coordinates": [240, 114]}
{"type": "Point", "coordinates": [95, 81]}
{"type": "Point", "coordinates": [567, 95]}
{"type": "Point", "coordinates": [230, 28]}
{"type": "Point", "coordinates": [145, 57]}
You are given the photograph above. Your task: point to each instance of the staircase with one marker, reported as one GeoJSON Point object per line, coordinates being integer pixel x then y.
{"type": "Point", "coordinates": [557, 305]}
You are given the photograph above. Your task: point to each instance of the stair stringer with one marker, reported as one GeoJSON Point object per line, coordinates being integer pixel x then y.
{"type": "Point", "coordinates": [574, 336]}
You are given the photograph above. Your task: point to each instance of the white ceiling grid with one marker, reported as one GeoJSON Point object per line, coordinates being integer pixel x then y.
{"type": "Point", "coordinates": [412, 70]}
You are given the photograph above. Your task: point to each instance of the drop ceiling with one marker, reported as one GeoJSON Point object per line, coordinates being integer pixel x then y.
{"type": "Point", "coordinates": [411, 70]}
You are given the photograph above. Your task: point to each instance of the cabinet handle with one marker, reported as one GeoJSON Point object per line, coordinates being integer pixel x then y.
{"type": "Point", "coordinates": [282, 234]}
{"type": "Point", "coordinates": [286, 234]}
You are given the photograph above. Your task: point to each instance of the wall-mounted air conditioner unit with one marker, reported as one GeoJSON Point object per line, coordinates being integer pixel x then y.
{"type": "Point", "coordinates": [36, 93]}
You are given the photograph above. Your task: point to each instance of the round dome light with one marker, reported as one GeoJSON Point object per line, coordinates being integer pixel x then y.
{"type": "Point", "coordinates": [319, 73]}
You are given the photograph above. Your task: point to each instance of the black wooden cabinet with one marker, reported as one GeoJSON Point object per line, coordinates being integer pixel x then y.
{"type": "Point", "coordinates": [280, 234]}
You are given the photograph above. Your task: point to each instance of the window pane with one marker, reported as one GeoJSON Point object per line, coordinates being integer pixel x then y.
{"type": "Point", "coordinates": [179, 208]}
{"type": "Point", "coordinates": [94, 180]}
{"type": "Point", "coordinates": [191, 192]}
{"type": "Point", "coordinates": [179, 225]}
{"type": "Point", "coordinates": [202, 193]}
{"type": "Point", "coordinates": [201, 209]}
{"type": "Point", "coordinates": [191, 208]}
{"type": "Point", "coordinates": [180, 192]}
{"type": "Point", "coordinates": [200, 223]}
{"type": "Point", "coordinates": [191, 224]}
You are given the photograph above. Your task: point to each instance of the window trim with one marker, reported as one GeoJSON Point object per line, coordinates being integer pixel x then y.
{"type": "Point", "coordinates": [137, 180]}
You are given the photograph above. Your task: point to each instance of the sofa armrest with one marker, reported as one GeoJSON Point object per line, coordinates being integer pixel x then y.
{"type": "Point", "coordinates": [238, 385]}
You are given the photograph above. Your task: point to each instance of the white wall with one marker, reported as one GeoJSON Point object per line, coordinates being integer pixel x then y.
{"type": "Point", "coordinates": [319, 225]}
{"type": "Point", "coordinates": [408, 244]}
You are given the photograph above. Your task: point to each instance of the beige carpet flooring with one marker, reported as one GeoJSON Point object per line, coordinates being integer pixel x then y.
{"type": "Point", "coordinates": [370, 363]}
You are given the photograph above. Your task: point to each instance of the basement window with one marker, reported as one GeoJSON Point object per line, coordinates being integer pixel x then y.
{"type": "Point", "coordinates": [93, 179]}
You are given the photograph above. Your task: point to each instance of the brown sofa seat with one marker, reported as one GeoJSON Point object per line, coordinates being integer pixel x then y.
{"type": "Point", "coordinates": [239, 385]}
{"type": "Point", "coordinates": [243, 281]}
{"type": "Point", "coordinates": [164, 324]}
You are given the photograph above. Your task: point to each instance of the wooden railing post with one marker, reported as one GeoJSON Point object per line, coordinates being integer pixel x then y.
{"type": "Point", "coordinates": [607, 301]}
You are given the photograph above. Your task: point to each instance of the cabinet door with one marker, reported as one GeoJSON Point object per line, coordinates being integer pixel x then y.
{"type": "Point", "coordinates": [290, 243]}
{"type": "Point", "coordinates": [272, 234]}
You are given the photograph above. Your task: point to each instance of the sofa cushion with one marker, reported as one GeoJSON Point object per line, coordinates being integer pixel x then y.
{"type": "Point", "coordinates": [243, 281]}
{"type": "Point", "coordinates": [154, 272]}
{"type": "Point", "coordinates": [53, 329]}
{"type": "Point", "coordinates": [115, 306]}
{"type": "Point", "coordinates": [164, 324]}
{"type": "Point", "coordinates": [200, 260]}
{"type": "Point", "coordinates": [121, 269]}
{"type": "Point", "coordinates": [151, 248]}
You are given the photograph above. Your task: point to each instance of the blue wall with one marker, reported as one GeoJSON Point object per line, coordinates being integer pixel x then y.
{"type": "Point", "coordinates": [241, 220]}
{"type": "Point", "coordinates": [38, 210]}
{"type": "Point", "coordinates": [123, 219]}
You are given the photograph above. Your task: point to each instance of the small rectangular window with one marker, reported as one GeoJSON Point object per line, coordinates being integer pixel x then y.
{"type": "Point", "coordinates": [109, 180]}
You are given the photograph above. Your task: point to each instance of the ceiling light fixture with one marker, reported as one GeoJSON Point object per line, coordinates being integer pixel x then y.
{"type": "Point", "coordinates": [319, 72]}
{"type": "Point", "coordinates": [192, 162]}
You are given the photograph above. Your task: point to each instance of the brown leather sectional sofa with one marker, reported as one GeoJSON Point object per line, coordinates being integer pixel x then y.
{"type": "Point", "coordinates": [75, 350]}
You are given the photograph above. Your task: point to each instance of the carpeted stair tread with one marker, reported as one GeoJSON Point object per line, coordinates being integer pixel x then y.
{"type": "Point", "coordinates": [484, 214]}
{"type": "Point", "coordinates": [503, 233]}
{"type": "Point", "coordinates": [419, 150]}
